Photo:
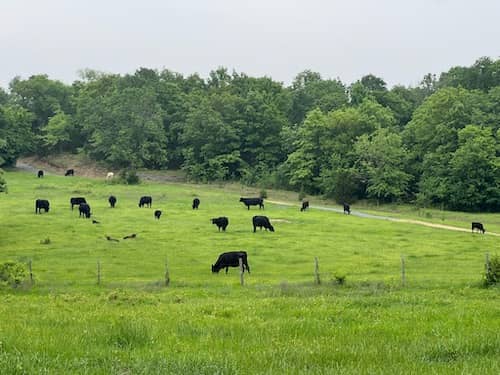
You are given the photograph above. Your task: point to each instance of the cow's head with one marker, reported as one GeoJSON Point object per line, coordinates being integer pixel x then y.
{"type": "Point", "coordinates": [271, 228]}
{"type": "Point", "coordinates": [242, 199]}
{"type": "Point", "coordinates": [215, 269]}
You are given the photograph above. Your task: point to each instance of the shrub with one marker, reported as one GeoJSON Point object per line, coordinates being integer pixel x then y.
{"type": "Point", "coordinates": [492, 273]}
{"type": "Point", "coordinates": [12, 273]}
{"type": "Point", "coordinates": [45, 241]}
{"type": "Point", "coordinates": [129, 177]}
{"type": "Point", "coordinates": [263, 194]}
{"type": "Point", "coordinates": [340, 278]}
{"type": "Point", "coordinates": [302, 195]}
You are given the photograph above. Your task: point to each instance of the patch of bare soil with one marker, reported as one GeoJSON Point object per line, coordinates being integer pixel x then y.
{"type": "Point", "coordinates": [158, 176]}
{"type": "Point", "coordinates": [59, 164]}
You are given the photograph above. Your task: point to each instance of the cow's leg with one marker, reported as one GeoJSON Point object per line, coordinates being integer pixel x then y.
{"type": "Point", "coordinates": [254, 228]}
{"type": "Point", "coordinates": [227, 269]}
{"type": "Point", "coordinates": [248, 207]}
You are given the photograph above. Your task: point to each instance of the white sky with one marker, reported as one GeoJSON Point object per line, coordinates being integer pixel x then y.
{"type": "Point", "coordinates": [397, 40]}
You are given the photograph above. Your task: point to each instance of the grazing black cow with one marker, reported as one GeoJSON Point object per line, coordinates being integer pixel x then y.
{"type": "Point", "coordinates": [70, 172]}
{"type": "Point", "coordinates": [305, 206]}
{"type": "Point", "coordinates": [221, 222]}
{"type": "Point", "coordinates": [41, 204]}
{"type": "Point", "coordinates": [157, 214]}
{"type": "Point", "coordinates": [196, 203]}
{"type": "Point", "coordinates": [40, 174]}
{"type": "Point", "coordinates": [262, 221]}
{"type": "Point", "coordinates": [145, 201]}
{"type": "Point", "coordinates": [84, 209]}
{"type": "Point", "coordinates": [231, 259]}
{"type": "Point", "coordinates": [76, 201]}
{"type": "Point", "coordinates": [112, 201]}
{"type": "Point", "coordinates": [479, 227]}
{"type": "Point", "coordinates": [347, 209]}
{"type": "Point", "coordinates": [253, 202]}
{"type": "Point", "coordinates": [133, 235]}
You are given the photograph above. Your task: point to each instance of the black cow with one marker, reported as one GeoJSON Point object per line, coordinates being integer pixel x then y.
{"type": "Point", "coordinates": [196, 203]}
{"type": "Point", "coordinates": [41, 204]}
{"type": "Point", "coordinates": [253, 202]}
{"type": "Point", "coordinates": [112, 201]}
{"type": "Point", "coordinates": [231, 259]}
{"type": "Point", "coordinates": [347, 209]}
{"type": "Point", "coordinates": [262, 221]}
{"type": "Point", "coordinates": [40, 174]}
{"type": "Point", "coordinates": [70, 172]}
{"type": "Point", "coordinates": [305, 206]}
{"type": "Point", "coordinates": [84, 209]}
{"type": "Point", "coordinates": [221, 222]}
{"type": "Point", "coordinates": [145, 201]}
{"type": "Point", "coordinates": [479, 227]}
{"type": "Point", "coordinates": [76, 201]}
{"type": "Point", "coordinates": [157, 214]}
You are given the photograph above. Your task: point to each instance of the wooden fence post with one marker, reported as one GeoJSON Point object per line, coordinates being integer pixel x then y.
{"type": "Point", "coordinates": [316, 271]}
{"type": "Point", "coordinates": [487, 263]}
{"type": "Point", "coordinates": [403, 271]}
{"type": "Point", "coordinates": [98, 273]}
{"type": "Point", "coordinates": [167, 274]}
{"type": "Point", "coordinates": [242, 280]}
{"type": "Point", "coordinates": [31, 272]}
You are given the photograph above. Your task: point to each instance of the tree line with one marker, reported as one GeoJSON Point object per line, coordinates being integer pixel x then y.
{"type": "Point", "coordinates": [433, 144]}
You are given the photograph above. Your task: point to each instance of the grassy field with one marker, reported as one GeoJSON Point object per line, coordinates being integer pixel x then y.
{"type": "Point", "coordinates": [441, 321]}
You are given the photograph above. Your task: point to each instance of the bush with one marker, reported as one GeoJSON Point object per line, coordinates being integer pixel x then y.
{"type": "Point", "coordinates": [12, 273]}
{"type": "Point", "coordinates": [340, 278]}
{"type": "Point", "coordinates": [492, 273]}
{"type": "Point", "coordinates": [263, 194]}
{"type": "Point", "coordinates": [302, 195]}
{"type": "Point", "coordinates": [129, 177]}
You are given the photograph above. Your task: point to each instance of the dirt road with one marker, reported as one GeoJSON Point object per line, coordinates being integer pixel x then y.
{"type": "Point", "coordinates": [381, 217]}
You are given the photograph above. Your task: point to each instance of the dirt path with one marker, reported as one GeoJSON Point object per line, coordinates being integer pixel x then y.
{"type": "Point", "coordinates": [380, 217]}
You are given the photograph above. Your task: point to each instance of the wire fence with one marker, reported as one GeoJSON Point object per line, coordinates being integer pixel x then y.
{"type": "Point", "coordinates": [405, 271]}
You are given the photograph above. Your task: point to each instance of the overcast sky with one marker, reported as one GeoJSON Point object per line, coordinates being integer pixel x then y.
{"type": "Point", "coordinates": [397, 40]}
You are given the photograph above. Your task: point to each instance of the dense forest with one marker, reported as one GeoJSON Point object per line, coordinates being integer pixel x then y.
{"type": "Point", "coordinates": [434, 144]}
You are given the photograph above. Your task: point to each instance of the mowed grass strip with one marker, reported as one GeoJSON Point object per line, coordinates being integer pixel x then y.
{"type": "Point", "coordinates": [442, 321]}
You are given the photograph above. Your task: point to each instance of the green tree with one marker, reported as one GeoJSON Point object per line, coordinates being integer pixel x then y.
{"type": "Point", "coordinates": [474, 181]}
{"type": "Point", "coordinates": [124, 127]}
{"type": "Point", "coordinates": [381, 160]}
{"type": "Point", "coordinates": [41, 96]}
{"type": "Point", "coordinates": [210, 147]}
{"type": "Point", "coordinates": [310, 91]}
{"type": "Point", "coordinates": [57, 134]}
{"type": "Point", "coordinates": [16, 137]}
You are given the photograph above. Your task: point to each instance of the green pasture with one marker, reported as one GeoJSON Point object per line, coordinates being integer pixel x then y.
{"type": "Point", "coordinates": [441, 321]}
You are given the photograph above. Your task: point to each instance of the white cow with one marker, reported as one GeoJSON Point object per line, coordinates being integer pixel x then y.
{"type": "Point", "coordinates": [110, 176]}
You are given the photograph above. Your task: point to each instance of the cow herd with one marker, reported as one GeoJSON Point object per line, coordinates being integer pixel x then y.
{"type": "Point", "coordinates": [225, 260]}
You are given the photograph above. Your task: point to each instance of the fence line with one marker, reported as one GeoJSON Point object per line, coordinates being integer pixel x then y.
{"type": "Point", "coordinates": [410, 273]}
